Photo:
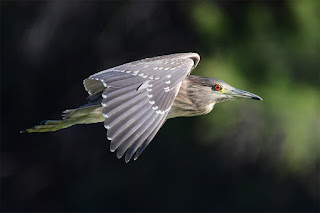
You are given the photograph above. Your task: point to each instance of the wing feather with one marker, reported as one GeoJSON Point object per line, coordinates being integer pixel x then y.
{"type": "Point", "coordinates": [109, 111]}
{"type": "Point", "coordinates": [105, 74]}
{"type": "Point", "coordinates": [126, 119]}
{"type": "Point", "coordinates": [125, 82]}
{"type": "Point", "coordinates": [166, 101]}
{"type": "Point", "coordinates": [111, 93]}
{"type": "Point", "coordinates": [133, 148]}
{"type": "Point", "coordinates": [120, 99]}
{"type": "Point", "coordinates": [135, 133]}
{"type": "Point", "coordinates": [149, 139]}
{"type": "Point", "coordinates": [133, 127]}
{"type": "Point", "coordinates": [117, 78]}
{"type": "Point", "coordinates": [137, 97]}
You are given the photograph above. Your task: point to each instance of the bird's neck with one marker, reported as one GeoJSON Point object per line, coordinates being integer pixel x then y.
{"type": "Point", "coordinates": [190, 100]}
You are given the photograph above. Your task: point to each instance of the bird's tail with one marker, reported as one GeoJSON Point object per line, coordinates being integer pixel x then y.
{"type": "Point", "coordinates": [50, 126]}
{"type": "Point", "coordinates": [82, 115]}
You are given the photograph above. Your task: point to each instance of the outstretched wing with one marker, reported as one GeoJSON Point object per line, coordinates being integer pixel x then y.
{"type": "Point", "coordinates": [137, 97]}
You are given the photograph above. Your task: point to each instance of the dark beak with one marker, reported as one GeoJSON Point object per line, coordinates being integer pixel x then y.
{"type": "Point", "coordinates": [237, 93]}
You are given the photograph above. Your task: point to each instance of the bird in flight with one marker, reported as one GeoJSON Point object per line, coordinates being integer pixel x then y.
{"type": "Point", "coordinates": [135, 99]}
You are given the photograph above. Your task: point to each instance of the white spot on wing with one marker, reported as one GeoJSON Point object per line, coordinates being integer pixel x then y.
{"type": "Point", "coordinates": [167, 82]}
{"type": "Point", "coordinates": [167, 109]}
{"type": "Point", "coordinates": [166, 89]}
{"type": "Point", "coordinates": [104, 104]}
{"type": "Point", "coordinates": [106, 126]}
{"type": "Point", "coordinates": [150, 96]}
{"type": "Point", "coordinates": [135, 73]}
{"type": "Point", "coordinates": [151, 102]}
{"type": "Point", "coordinates": [105, 115]}
{"type": "Point", "coordinates": [168, 76]}
{"type": "Point", "coordinates": [104, 96]}
{"type": "Point", "coordinates": [160, 112]}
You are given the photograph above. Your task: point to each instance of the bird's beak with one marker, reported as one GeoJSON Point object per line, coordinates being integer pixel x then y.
{"type": "Point", "coordinates": [237, 93]}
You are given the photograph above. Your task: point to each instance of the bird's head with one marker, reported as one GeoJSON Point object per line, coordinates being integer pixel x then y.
{"type": "Point", "coordinates": [221, 91]}
{"type": "Point", "coordinates": [215, 90]}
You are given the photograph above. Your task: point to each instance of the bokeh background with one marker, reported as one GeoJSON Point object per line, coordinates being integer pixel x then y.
{"type": "Point", "coordinates": [243, 156]}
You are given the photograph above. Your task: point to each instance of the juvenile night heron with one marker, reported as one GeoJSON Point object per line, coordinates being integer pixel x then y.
{"type": "Point", "coordinates": [135, 99]}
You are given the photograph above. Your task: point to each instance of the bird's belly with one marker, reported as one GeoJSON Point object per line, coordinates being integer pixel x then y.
{"type": "Point", "coordinates": [183, 112]}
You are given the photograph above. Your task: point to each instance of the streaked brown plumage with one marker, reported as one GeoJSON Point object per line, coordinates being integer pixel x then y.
{"type": "Point", "coordinates": [135, 99]}
{"type": "Point", "coordinates": [188, 101]}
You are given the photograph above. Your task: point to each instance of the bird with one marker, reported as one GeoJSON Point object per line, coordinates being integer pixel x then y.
{"type": "Point", "coordinates": [135, 99]}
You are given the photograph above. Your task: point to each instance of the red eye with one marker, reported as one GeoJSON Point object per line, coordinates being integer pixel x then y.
{"type": "Point", "coordinates": [217, 87]}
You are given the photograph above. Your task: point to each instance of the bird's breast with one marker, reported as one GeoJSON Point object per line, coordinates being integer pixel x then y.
{"type": "Point", "coordinates": [176, 111]}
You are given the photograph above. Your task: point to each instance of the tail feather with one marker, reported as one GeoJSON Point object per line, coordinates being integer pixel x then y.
{"type": "Point", "coordinates": [84, 115]}
{"type": "Point", "coordinates": [50, 126]}
{"type": "Point", "coordinates": [67, 113]}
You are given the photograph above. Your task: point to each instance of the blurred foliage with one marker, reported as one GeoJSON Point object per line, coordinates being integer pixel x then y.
{"type": "Point", "coordinates": [243, 156]}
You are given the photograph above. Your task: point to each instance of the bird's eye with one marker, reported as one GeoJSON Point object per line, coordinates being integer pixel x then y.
{"type": "Point", "coordinates": [217, 87]}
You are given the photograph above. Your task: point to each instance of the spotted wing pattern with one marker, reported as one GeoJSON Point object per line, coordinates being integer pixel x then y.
{"type": "Point", "coordinates": [137, 97]}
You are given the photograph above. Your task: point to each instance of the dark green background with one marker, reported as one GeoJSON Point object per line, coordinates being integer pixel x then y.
{"type": "Point", "coordinates": [243, 156]}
